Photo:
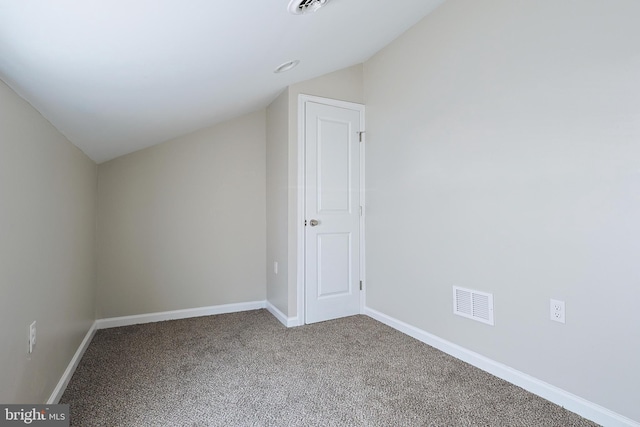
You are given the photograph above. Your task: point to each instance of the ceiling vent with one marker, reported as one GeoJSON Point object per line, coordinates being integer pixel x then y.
{"type": "Point", "coordinates": [286, 66]}
{"type": "Point", "coordinates": [299, 7]}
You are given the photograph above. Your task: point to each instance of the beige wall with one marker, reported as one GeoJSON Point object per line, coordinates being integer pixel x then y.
{"type": "Point", "coordinates": [47, 269]}
{"type": "Point", "coordinates": [277, 201]}
{"type": "Point", "coordinates": [502, 155]}
{"type": "Point", "coordinates": [182, 224]}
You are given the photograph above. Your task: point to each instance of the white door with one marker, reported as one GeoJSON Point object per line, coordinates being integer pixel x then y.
{"type": "Point", "coordinates": [332, 212]}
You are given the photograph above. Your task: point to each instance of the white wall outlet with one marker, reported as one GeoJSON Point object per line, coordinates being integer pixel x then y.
{"type": "Point", "coordinates": [275, 267]}
{"type": "Point", "coordinates": [557, 311]}
{"type": "Point", "coordinates": [32, 336]}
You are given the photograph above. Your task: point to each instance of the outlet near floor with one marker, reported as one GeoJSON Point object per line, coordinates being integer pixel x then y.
{"type": "Point", "coordinates": [32, 336]}
{"type": "Point", "coordinates": [557, 311]}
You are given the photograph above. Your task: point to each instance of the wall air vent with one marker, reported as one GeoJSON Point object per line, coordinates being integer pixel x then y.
{"type": "Point", "coordinates": [299, 7]}
{"type": "Point", "coordinates": [472, 304]}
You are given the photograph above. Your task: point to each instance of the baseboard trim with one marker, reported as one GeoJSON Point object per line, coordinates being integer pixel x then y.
{"type": "Point", "coordinates": [573, 403]}
{"type": "Point", "coordinates": [114, 322]}
{"type": "Point", "coordinates": [289, 322]}
{"type": "Point", "coordinates": [71, 368]}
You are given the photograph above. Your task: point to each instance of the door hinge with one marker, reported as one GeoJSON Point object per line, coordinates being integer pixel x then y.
{"type": "Point", "coordinates": [360, 284]}
{"type": "Point", "coordinates": [360, 210]}
{"type": "Point", "coordinates": [361, 136]}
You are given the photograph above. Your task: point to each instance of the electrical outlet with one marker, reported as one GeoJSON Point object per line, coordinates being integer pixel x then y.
{"type": "Point", "coordinates": [275, 267]}
{"type": "Point", "coordinates": [32, 336]}
{"type": "Point", "coordinates": [557, 311]}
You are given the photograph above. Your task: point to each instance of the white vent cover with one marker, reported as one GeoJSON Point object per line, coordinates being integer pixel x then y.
{"type": "Point", "coordinates": [475, 305]}
{"type": "Point", "coordinates": [298, 7]}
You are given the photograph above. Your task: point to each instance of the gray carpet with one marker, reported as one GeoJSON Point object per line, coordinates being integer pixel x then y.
{"type": "Point", "coordinates": [246, 369]}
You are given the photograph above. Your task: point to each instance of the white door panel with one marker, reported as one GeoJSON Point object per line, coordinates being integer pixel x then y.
{"type": "Point", "coordinates": [334, 264]}
{"type": "Point", "coordinates": [332, 201]}
{"type": "Point", "coordinates": [333, 167]}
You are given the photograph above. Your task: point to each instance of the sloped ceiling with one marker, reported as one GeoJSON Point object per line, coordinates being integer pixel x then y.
{"type": "Point", "coordinates": [120, 75]}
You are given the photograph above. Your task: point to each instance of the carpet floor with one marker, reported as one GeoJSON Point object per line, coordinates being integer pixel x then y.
{"type": "Point", "coordinates": [246, 369]}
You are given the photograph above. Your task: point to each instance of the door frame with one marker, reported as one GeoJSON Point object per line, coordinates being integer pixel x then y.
{"type": "Point", "coordinates": [300, 279]}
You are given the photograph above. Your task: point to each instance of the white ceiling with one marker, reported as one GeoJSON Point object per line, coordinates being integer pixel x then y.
{"type": "Point", "coordinates": [120, 75]}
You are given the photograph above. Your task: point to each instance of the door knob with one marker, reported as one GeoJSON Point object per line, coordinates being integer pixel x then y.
{"type": "Point", "coordinates": [314, 222]}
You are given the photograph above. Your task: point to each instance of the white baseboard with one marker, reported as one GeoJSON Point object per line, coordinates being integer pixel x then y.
{"type": "Point", "coordinates": [114, 322]}
{"type": "Point", "coordinates": [289, 322]}
{"type": "Point", "coordinates": [573, 403]}
{"type": "Point", "coordinates": [71, 368]}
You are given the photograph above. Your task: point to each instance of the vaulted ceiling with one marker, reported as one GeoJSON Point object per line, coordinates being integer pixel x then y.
{"type": "Point", "coordinates": [120, 75]}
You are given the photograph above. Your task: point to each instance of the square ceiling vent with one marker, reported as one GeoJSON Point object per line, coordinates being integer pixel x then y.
{"type": "Point", "coordinates": [472, 304]}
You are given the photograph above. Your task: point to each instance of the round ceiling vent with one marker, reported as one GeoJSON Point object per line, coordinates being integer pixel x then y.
{"type": "Point", "coordinates": [299, 7]}
{"type": "Point", "coordinates": [286, 66]}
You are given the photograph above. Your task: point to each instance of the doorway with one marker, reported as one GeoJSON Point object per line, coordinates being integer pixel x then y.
{"type": "Point", "coordinates": [331, 144]}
